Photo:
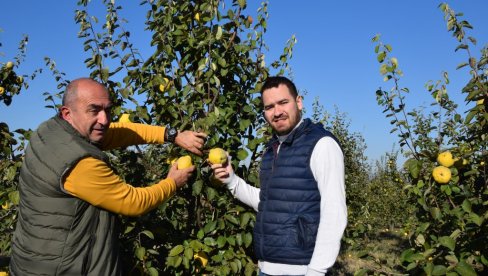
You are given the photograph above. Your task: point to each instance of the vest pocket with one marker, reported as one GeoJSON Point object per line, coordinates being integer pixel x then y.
{"type": "Point", "coordinates": [306, 231]}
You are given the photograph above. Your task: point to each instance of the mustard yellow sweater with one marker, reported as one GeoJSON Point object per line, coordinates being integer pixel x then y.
{"type": "Point", "coordinates": [93, 181]}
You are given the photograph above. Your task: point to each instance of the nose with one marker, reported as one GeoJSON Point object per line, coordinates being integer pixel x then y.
{"type": "Point", "coordinates": [103, 117]}
{"type": "Point", "coordinates": [277, 111]}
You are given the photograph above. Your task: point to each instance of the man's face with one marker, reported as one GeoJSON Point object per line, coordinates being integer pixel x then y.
{"type": "Point", "coordinates": [89, 113]}
{"type": "Point", "coordinates": [281, 110]}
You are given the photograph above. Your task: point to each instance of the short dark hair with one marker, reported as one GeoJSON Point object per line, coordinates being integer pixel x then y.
{"type": "Point", "coordinates": [273, 82]}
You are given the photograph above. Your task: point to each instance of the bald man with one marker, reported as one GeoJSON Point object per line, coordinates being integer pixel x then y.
{"type": "Point", "coordinates": [70, 198]}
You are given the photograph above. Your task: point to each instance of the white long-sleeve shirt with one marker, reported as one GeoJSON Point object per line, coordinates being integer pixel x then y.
{"type": "Point", "coordinates": [327, 165]}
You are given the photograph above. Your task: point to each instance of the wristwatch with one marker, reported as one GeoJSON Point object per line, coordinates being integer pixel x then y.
{"type": "Point", "coordinates": [170, 134]}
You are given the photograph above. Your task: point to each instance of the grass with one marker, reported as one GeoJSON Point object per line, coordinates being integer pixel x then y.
{"type": "Point", "coordinates": [379, 255]}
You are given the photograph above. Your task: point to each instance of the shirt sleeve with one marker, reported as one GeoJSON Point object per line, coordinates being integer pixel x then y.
{"type": "Point", "coordinates": [94, 182]}
{"type": "Point", "coordinates": [241, 190]}
{"type": "Point", "coordinates": [129, 134]}
{"type": "Point", "coordinates": [327, 164]}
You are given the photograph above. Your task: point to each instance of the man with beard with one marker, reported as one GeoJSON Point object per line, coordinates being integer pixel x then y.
{"type": "Point", "coordinates": [301, 204]}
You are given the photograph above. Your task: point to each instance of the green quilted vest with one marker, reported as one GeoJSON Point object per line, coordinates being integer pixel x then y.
{"type": "Point", "coordinates": [56, 233]}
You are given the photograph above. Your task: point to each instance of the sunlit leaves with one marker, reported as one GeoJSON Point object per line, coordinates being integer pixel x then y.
{"type": "Point", "coordinates": [450, 217]}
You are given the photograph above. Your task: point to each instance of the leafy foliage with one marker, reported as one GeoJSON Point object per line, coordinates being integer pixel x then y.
{"type": "Point", "coordinates": [12, 144]}
{"type": "Point", "coordinates": [448, 234]}
{"type": "Point", "coordinates": [204, 75]}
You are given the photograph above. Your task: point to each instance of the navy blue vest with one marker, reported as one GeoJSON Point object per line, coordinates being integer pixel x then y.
{"type": "Point", "coordinates": [289, 208]}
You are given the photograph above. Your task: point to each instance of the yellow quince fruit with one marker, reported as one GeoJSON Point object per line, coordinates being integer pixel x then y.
{"type": "Point", "coordinates": [445, 159]}
{"type": "Point", "coordinates": [184, 162]}
{"type": "Point", "coordinates": [202, 257]}
{"type": "Point", "coordinates": [9, 65]}
{"type": "Point", "coordinates": [217, 156]}
{"type": "Point", "coordinates": [480, 102]}
{"type": "Point", "coordinates": [197, 16]}
{"type": "Point", "coordinates": [441, 174]}
{"type": "Point", "coordinates": [125, 118]}
{"type": "Point", "coordinates": [163, 86]}
{"type": "Point", "coordinates": [2, 90]}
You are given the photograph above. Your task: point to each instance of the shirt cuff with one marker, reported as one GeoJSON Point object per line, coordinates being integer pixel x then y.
{"type": "Point", "coordinates": [231, 181]}
{"type": "Point", "coordinates": [313, 272]}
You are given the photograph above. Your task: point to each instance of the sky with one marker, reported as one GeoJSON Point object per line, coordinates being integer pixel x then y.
{"type": "Point", "coordinates": [333, 59]}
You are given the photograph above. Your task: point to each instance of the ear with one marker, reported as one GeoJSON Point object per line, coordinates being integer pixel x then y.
{"type": "Point", "coordinates": [299, 102]}
{"type": "Point", "coordinates": [65, 113]}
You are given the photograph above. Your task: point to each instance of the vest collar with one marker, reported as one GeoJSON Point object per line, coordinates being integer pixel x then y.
{"type": "Point", "coordinates": [299, 129]}
{"type": "Point", "coordinates": [71, 130]}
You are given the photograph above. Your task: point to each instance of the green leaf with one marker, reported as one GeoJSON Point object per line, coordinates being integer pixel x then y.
{"type": "Point", "coordinates": [210, 226]}
{"type": "Point", "coordinates": [247, 239]}
{"type": "Point", "coordinates": [14, 197]}
{"type": "Point", "coordinates": [466, 206]}
{"type": "Point", "coordinates": [234, 267]}
{"type": "Point", "coordinates": [176, 250]}
{"type": "Point", "coordinates": [362, 254]}
{"type": "Point", "coordinates": [211, 193]}
{"type": "Point", "coordinates": [439, 270]}
{"type": "Point", "coordinates": [242, 3]}
{"type": "Point", "coordinates": [484, 260]}
{"type": "Point", "coordinates": [140, 253]}
{"type": "Point", "coordinates": [465, 269]}
{"type": "Point", "coordinates": [219, 33]}
{"type": "Point", "coordinates": [361, 272]}
{"type": "Point", "coordinates": [148, 233]}
{"type": "Point", "coordinates": [411, 266]}
{"type": "Point", "coordinates": [197, 187]}
{"type": "Point", "coordinates": [232, 219]}
{"type": "Point", "coordinates": [381, 57]}
{"type": "Point", "coordinates": [188, 253]}
{"type": "Point", "coordinates": [413, 166]}
{"type": "Point", "coordinates": [242, 154]}
{"type": "Point", "coordinates": [128, 229]}
{"type": "Point", "coordinates": [200, 234]}
{"type": "Point", "coordinates": [470, 116]}
{"type": "Point", "coordinates": [196, 245]}
{"type": "Point", "coordinates": [461, 65]}
{"type": "Point", "coordinates": [452, 259]}
{"type": "Point", "coordinates": [476, 219]}
{"type": "Point", "coordinates": [231, 240]}
{"type": "Point", "coordinates": [383, 69]}
{"type": "Point", "coordinates": [245, 219]}
{"type": "Point", "coordinates": [210, 241]}
{"type": "Point", "coordinates": [461, 46]}
{"type": "Point", "coordinates": [221, 241]}
{"type": "Point", "coordinates": [423, 227]}
{"type": "Point", "coordinates": [447, 242]}
{"type": "Point", "coordinates": [152, 271]}
{"type": "Point", "coordinates": [436, 213]}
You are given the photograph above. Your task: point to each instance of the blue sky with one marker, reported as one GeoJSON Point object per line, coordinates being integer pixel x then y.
{"type": "Point", "coordinates": [334, 58]}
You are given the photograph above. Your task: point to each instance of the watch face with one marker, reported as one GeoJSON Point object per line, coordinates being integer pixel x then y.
{"type": "Point", "coordinates": [172, 131]}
